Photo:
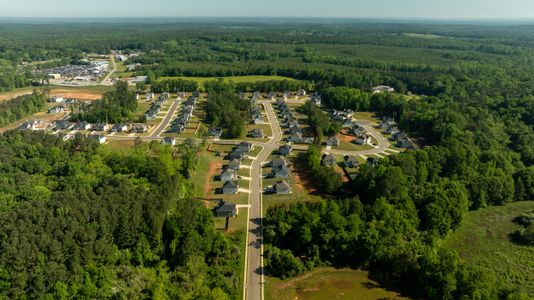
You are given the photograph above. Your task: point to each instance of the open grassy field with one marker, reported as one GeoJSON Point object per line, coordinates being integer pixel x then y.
{"type": "Point", "coordinates": [235, 79]}
{"type": "Point", "coordinates": [483, 240]}
{"type": "Point", "coordinates": [328, 283]}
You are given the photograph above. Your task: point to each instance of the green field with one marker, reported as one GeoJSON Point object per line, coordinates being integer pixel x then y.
{"type": "Point", "coordinates": [483, 240]}
{"type": "Point", "coordinates": [235, 79]}
{"type": "Point", "coordinates": [328, 283]}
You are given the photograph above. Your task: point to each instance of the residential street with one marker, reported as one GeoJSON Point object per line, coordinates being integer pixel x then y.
{"type": "Point", "coordinates": [166, 121]}
{"type": "Point", "coordinates": [253, 284]}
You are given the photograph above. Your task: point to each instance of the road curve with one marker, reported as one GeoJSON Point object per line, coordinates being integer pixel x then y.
{"type": "Point", "coordinates": [253, 284]}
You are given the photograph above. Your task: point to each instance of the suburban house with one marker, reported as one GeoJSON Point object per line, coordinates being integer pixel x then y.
{"type": "Point", "coordinates": [257, 133]}
{"type": "Point", "coordinates": [119, 127]}
{"type": "Point", "coordinates": [83, 126]}
{"type": "Point", "coordinates": [406, 143]}
{"type": "Point", "coordinates": [215, 132]}
{"type": "Point", "coordinates": [332, 141]}
{"type": "Point", "coordinates": [382, 89]}
{"type": "Point", "coordinates": [295, 131]}
{"type": "Point", "coordinates": [291, 123]}
{"type": "Point", "coordinates": [225, 210]}
{"type": "Point", "coordinates": [236, 154]}
{"type": "Point", "coordinates": [244, 147]}
{"type": "Point", "coordinates": [170, 141]}
{"type": "Point", "coordinates": [386, 123]}
{"type": "Point", "coordinates": [101, 139]}
{"type": "Point", "coordinates": [63, 125]}
{"type": "Point", "coordinates": [228, 175]}
{"type": "Point", "coordinates": [372, 161]}
{"type": "Point", "coordinates": [102, 127]}
{"type": "Point", "coordinates": [234, 164]}
{"type": "Point", "coordinates": [295, 138]}
{"type": "Point", "coordinates": [230, 188]}
{"type": "Point", "coordinates": [301, 93]}
{"type": "Point", "coordinates": [316, 101]}
{"type": "Point", "coordinates": [56, 109]}
{"type": "Point", "coordinates": [34, 125]}
{"type": "Point", "coordinates": [281, 172]}
{"type": "Point", "coordinates": [347, 123]}
{"type": "Point", "coordinates": [329, 160]}
{"type": "Point", "coordinates": [282, 188]}
{"type": "Point", "coordinates": [350, 161]}
{"type": "Point", "coordinates": [140, 128]}
{"type": "Point", "coordinates": [278, 162]}
{"type": "Point", "coordinates": [285, 150]}
{"type": "Point", "coordinates": [358, 130]}
{"type": "Point", "coordinates": [392, 130]}
{"type": "Point", "coordinates": [177, 128]}
{"type": "Point", "coordinates": [362, 139]}
{"type": "Point", "coordinates": [56, 99]}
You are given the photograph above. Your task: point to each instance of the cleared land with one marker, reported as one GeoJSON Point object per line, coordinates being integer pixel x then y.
{"type": "Point", "coordinates": [83, 93]}
{"type": "Point", "coordinates": [483, 240]}
{"type": "Point", "coordinates": [328, 283]}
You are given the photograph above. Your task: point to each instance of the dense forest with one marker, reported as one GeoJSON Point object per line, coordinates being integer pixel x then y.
{"type": "Point", "coordinates": [226, 110]}
{"type": "Point", "coordinates": [20, 107]}
{"type": "Point", "coordinates": [115, 107]}
{"type": "Point", "coordinates": [80, 221]}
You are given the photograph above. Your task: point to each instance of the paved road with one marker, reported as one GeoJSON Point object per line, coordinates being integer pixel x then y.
{"type": "Point", "coordinates": [167, 120]}
{"type": "Point", "coordinates": [107, 79]}
{"type": "Point", "coordinates": [383, 144]}
{"type": "Point", "coordinates": [254, 260]}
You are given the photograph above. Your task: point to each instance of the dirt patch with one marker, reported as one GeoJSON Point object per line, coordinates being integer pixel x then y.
{"type": "Point", "coordinates": [212, 170]}
{"type": "Point", "coordinates": [301, 176]}
{"type": "Point", "coordinates": [345, 137]}
{"type": "Point", "coordinates": [77, 94]}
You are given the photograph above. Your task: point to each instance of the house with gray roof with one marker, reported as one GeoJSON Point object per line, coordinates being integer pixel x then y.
{"type": "Point", "coordinates": [351, 161]}
{"type": "Point", "coordinates": [332, 141]}
{"type": "Point", "coordinates": [225, 210]}
{"type": "Point", "coordinates": [230, 188]}
{"type": "Point", "coordinates": [281, 172]}
{"type": "Point", "coordinates": [282, 188]}
{"type": "Point", "coordinates": [278, 161]}
{"type": "Point", "coordinates": [329, 160]}
{"type": "Point", "coordinates": [285, 150]}
{"type": "Point", "coordinates": [228, 175]}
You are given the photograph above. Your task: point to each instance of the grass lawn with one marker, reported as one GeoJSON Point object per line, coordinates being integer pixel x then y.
{"type": "Point", "coordinates": [482, 240]}
{"type": "Point", "coordinates": [85, 93]}
{"type": "Point", "coordinates": [328, 283]}
{"type": "Point", "coordinates": [235, 79]}
{"type": "Point", "coordinates": [369, 116]}
{"type": "Point", "coordinates": [344, 146]}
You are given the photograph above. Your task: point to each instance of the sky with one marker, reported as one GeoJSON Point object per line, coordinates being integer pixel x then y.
{"type": "Point", "coordinates": [405, 9]}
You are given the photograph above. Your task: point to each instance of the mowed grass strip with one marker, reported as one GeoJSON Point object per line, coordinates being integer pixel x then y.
{"type": "Point", "coordinates": [330, 284]}
{"type": "Point", "coordinates": [483, 240]}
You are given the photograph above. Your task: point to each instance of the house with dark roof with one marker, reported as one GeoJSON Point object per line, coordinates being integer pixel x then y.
{"type": "Point", "coordinates": [278, 161]}
{"type": "Point", "coordinates": [102, 127]}
{"type": "Point", "coordinates": [63, 125]}
{"type": "Point", "coordinates": [225, 210]}
{"type": "Point", "coordinates": [281, 172]}
{"type": "Point", "coordinates": [230, 188]}
{"type": "Point", "coordinates": [228, 175]}
{"type": "Point", "coordinates": [332, 141]}
{"type": "Point", "coordinates": [285, 150]}
{"type": "Point", "coordinates": [351, 161]}
{"type": "Point", "coordinates": [296, 131]}
{"type": "Point", "coordinates": [358, 130]}
{"type": "Point", "coordinates": [235, 154]}
{"type": "Point", "coordinates": [56, 109]}
{"type": "Point", "coordinates": [282, 188]}
{"type": "Point", "coordinates": [329, 160]}
{"type": "Point", "coordinates": [257, 133]}
{"type": "Point", "coordinates": [101, 139]}
{"type": "Point", "coordinates": [170, 141]}
{"type": "Point", "coordinates": [234, 164]}
{"type": "Point", "coordinates": [372, 161]}
{"type": "Point", "coordinates": [215, 132]}
{"type": "Point", "coordinates": [362, 139]}
{"type": "Point", "coordinates": [244, 147]}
